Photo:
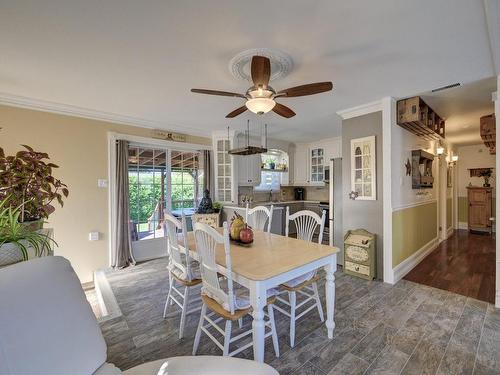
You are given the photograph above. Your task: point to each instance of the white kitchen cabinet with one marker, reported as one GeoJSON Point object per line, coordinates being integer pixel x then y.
{"type": "Point", "coordinates": [226, 189]}
{"type": "Point", "coordinates": [310, 160]}
{"type": "Point", "coordinates": [316, 165]}
{"type": "Point", "coordinates": [301, 165]}
{"type": "Point", "coordinates": [249, 170]}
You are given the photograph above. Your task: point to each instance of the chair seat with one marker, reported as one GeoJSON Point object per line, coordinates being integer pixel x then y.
{"type": "Point", "coordinates": [202, 365]}
{"type": "Point", "coordinates": [189, 280]}
{"type": "Point", "coordinates": [218, 309]}
{"type": "Point", "coordinates": [300, 282]}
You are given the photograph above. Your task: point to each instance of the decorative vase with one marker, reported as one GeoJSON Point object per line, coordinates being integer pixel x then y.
{"type": "Point", "coordinates": [10, 254]}
{"type": "Point", "coordinates": [272, 165]}
{"type": "Point", "coordinates": [486, 182]}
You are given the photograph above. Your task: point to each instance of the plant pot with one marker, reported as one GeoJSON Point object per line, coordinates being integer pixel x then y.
{"type": "Point", "coordinates": [33, 225]}
{"type": "Point", "coordinates": [10, 254]}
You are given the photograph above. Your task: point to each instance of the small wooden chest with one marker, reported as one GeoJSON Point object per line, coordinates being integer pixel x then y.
{"type": "Point", "coordinates": [359, 254]}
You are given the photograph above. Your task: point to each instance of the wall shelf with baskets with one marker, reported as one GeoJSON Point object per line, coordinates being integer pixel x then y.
{"type": "Point", "coordinates": [418, 118]}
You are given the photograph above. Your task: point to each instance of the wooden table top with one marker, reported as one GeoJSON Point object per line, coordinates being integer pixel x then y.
{"type": "Point", "coordinates": [269, 255]}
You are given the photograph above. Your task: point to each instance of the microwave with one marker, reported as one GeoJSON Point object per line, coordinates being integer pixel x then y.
{"type": "Point", "coordinates": [326, 178]}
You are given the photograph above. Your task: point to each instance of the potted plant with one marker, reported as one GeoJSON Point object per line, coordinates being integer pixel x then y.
{"type": "Point", "coordinates": [26, 178]}
{"type": "Point", "coordinates": [17, 241]}
{"type": "Point", "coordinates": [217, 207]}
{"type": "Point", "coordinates": [486, 174]}
{"type": "Point", "coordinates": [271, 163]}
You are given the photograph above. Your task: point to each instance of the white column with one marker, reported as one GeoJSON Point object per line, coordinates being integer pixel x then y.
{"type": "Point", "coordinates": [388, 121]}
{"type": "Point", "coordinates": [496, 99]}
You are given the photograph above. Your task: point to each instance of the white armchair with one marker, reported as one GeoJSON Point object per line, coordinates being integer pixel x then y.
{"type": "Point", "coordinates": [47, 327]}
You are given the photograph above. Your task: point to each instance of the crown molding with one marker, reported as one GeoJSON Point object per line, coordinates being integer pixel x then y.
{"type": "Point", "coordinates": [361, 110]}
{"type": "Point", "coordinates": [70, 110]}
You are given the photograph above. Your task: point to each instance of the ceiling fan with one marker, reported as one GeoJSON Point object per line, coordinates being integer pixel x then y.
{"type": "Point", "coordinates": [260, 98]}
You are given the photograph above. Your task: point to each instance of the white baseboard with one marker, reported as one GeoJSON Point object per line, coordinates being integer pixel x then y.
{"type": "Point", "coordinates": [449, 232]}
{"type": "Point", "coordinates": [105, 297]}
{"type": "Point", "coordinates": [463, 225]}
{"type": "Point", "coordinates": [412, 261]}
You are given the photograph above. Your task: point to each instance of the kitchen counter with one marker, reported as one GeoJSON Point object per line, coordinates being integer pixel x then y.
{"type": "Point", "coordinates": [277, 204]}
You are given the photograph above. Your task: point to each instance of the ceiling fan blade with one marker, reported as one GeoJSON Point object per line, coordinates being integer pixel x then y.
{"type": "Point", "coordinates": [220, 93]}
{"type": "Point", "coordinates": [310, 89]}
{"type": "Point", "coordinates": [236, 112]}
{"type": "Point", "coordinates": [283, 110]}
{"type": "Point", "coordinates": [261, 71]}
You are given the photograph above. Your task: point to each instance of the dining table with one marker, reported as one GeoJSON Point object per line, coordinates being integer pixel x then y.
{"type": "Point", "coordinates": [269, 261]}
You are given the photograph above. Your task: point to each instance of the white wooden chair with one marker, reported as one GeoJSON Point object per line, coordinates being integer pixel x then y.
{"type": "Point", "coordinates": [180, 268]}
{"type": "Point", "coordinates": [257, 217]}
{"type": "Point", "coordinates": [223, 303]}
{"type": "Point", "coordinates": [306, 223]}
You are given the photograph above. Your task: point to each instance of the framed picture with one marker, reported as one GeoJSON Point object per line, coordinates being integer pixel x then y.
{"type": "Point", "coordinates": [363, 170]}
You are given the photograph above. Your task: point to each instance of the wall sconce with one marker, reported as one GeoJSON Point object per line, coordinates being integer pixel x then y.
{"type": "Point", "coordinates": [454, 159]}
{"type": "Point", "coordinates": [439, 149]}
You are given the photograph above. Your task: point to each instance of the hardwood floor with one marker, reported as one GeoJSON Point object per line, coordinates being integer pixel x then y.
{"type": "Point", "coordinates": [463, 264]}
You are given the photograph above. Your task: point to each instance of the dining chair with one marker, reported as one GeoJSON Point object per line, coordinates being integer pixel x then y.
{"type": "Point", "coordinates": [258, 216]}
{"type": "Point", "coordinates": [221, 302]}
{"type": "Point", "coordinates": [306, 223]}
{"type": "Point", "coordinates": [182, 269]}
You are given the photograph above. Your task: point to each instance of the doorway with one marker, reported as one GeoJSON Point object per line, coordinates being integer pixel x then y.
{"type": "Point", "coordinates": [464, 260]}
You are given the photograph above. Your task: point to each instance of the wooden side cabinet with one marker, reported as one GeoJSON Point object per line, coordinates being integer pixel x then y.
{"type": "Point", "coordinates": [480, 199]}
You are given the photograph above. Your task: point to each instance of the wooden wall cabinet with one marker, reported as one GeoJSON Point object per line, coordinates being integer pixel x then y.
{"type": "Point", "coordinates": [421, 169]}
{"type": "Point", "coordinates": [479, 208]}
{"type": "Point", "coordinates": [487, 129]}
{"type": "Point", "coordinates": [418, 118]}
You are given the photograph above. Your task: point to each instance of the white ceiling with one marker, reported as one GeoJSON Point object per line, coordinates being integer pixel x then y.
{"type": "Point", "coordinates": [140, 58]}
{"type": "Point", "coordinates": [462, 107]}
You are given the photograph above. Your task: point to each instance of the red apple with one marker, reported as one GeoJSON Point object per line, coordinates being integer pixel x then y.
{"type": "Point", "coordinates": [246, 234]}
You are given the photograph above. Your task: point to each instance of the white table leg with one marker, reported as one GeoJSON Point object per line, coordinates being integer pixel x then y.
{"type": "Point", "coordinates": [330, 295]}
{"type": "Point", "coordinates": [258, 301]}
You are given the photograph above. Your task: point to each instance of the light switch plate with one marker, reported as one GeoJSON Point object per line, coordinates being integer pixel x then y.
{"type": "Point", "coordinates": [94, 236]}
{"type": "Point", "coordinates": [102, 183]}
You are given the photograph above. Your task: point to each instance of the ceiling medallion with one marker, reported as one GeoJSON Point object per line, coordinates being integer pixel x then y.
{"type": "Point", "coordinates": [281, 63]}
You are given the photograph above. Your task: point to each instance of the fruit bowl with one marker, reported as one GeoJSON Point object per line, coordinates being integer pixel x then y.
{"type": "Point", "coordinates": [240, 243]}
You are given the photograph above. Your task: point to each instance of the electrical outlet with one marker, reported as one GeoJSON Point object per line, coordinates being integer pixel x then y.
{"type": "Point", "coordinates": [102, 183]}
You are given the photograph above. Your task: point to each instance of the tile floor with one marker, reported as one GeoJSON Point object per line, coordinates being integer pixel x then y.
{"type": "Point", "coordinates": [407, 328]}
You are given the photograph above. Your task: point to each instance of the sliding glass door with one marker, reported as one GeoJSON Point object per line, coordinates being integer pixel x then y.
{"type": "Point", "coordinates": [160, 181]}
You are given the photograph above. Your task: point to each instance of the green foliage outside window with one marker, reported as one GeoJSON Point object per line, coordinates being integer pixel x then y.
{"type": "Point", "coordinates": [145, 193]}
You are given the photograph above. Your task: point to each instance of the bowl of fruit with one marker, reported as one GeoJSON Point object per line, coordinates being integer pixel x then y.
{"type": "Point", "coordinates": [240, 232]}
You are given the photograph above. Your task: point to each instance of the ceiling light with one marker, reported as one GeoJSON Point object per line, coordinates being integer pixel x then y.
{"type": "Point", "coordinates": [440, 150]}
{"type": "Point", "coordinates": [260, 105]}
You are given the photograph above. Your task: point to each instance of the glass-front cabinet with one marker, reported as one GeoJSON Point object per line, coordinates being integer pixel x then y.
{"type": "Point", "coordinates": [225, 189]}
{"type": "Point", "coordinates": [363, 178]}
{"type": "Point", "coordinates": [317, 165]}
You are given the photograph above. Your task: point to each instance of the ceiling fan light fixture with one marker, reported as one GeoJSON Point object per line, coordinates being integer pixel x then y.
{"type": "Point", "coordinates": [260, 92]}
{"type": "Point", "coordinates": [260, 105]}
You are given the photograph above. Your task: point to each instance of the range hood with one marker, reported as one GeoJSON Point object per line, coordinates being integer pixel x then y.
{"type": "Point", "coordinates": [249, 150]}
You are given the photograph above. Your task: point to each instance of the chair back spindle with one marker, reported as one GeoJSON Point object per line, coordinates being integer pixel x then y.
{"type": "Point", "coordinates": [177, 258]}
{"type": "Point", "coordinates": [306, 222]}
{"type": "Point", "coordinates": [207, 239]}
{"type": "Point", "coordinates": [259, 216]}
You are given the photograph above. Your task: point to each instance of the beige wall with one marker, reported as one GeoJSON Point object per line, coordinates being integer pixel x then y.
{"type": "Point", "coordinates": [412, 228]}
{"type": "Point", "coordinates": [79, 146]}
